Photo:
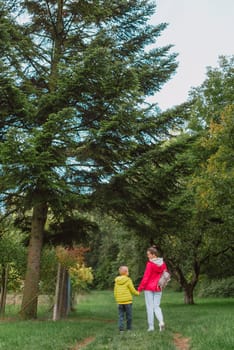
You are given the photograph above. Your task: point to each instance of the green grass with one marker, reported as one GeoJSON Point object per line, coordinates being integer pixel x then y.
{"type": "Point", "coordinates": [208, 324]}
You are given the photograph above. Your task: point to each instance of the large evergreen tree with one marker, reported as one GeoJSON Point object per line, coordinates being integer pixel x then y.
{"type": "Point", "coordinates": [75, 78]}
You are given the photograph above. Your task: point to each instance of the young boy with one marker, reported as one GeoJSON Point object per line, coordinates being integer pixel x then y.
{"type": "Point", "coordinates": [123, 291]}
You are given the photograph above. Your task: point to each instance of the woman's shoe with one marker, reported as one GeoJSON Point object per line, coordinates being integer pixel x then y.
{"type": "Point", "coordinates": [161, 327]}
{"type": "Point", "coordinates": [150, 329]}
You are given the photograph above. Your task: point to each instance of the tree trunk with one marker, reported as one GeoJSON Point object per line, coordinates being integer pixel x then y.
{"type": "Point", "coordinates": [4, 289]}
{"type": "Point", "coordinates": [56, 301]}
{"type": "Point", "coordinates": [58, 45]}
{"type": "Point", "coordinates": [31, 285]}
{"type": "Point", "coordinates": [62, 294]}
{"type": "Point", "coordinates": [188, 287]}
{"type": "Point", "coordinates": [188, 294]}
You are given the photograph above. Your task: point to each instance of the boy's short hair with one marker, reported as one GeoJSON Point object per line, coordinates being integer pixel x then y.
{"type": "Point", "coordinates": [123, 270]}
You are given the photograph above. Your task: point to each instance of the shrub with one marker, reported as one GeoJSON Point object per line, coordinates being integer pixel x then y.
{"type": "Point", "coordinates": [81, 277]}
{"type": "Point", "coordinates": [217, 288]}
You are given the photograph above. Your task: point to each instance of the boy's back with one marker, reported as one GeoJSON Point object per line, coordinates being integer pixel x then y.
{"type": "Point", "coordinates": [123, 291]}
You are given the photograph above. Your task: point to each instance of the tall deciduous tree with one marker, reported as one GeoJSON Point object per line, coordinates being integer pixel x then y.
{"type": "Point", "coordinates": [74, 111]}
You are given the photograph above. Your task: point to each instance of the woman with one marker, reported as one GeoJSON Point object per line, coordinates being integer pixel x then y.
{"type": "Point", "coordinates": [149, 283]}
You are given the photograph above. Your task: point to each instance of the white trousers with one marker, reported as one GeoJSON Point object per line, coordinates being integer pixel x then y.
{"type": "Point", "coordinates": [152, 302]}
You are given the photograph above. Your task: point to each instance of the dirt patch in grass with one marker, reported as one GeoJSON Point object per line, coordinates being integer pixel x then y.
{"type": "Point", "coordinates": [96, 319]}
{"type": "Point", "coordinates": [89, 319]}
{"type": "Point", "coordinates": [181, 342]}
{"type": "Point", "coordinates": [82, 344]}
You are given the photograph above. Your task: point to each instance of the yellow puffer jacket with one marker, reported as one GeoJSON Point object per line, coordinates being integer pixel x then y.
{"type": "Point", "coordinates": [124, 289]}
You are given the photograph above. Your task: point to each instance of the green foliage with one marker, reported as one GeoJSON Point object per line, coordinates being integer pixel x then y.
{"type": "Point", "coordinates": [15, 278]}
{"type": "Point", "coordinates": [79, 116]}
{"type": "Point", "coordinates": [11, 247]}
{"type": "Point", "coordinates": [12, 254]}
{"type": "Point", "coordinates": [214, 185]}
{"type": "Point", "coordinates": [73, 259]}
{"type": "Point", "coordinates": [210, 99]}
{"type": "Point", "coordinates": [81, 277]}
{"type": "Point", "coordinates": [220, 266]}
{"type": "Point", "coordinates": [107, 266]}
{"type": "Point", "coordinates": [70, 230]}
{"type": "Point", "coordinates": [115, 246]}
{"type": "Point", "coordinates": [221, 288]}
{"type": "Point", "coordinates": [49, 265]}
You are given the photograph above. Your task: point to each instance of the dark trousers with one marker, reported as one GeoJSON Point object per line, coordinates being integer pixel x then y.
{"type": "Point", "coordinates": [125, 309]}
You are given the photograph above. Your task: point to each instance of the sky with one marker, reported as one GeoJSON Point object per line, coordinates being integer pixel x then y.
{"type": "Point", "coordinates": [201, 31]}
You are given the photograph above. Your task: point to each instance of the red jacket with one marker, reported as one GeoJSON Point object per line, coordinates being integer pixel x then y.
{"type": "Point", "coordinates": [152, 274]}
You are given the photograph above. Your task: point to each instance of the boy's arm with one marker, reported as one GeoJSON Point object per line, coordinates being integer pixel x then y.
{"type": "Point", "coordinates": [115, 290]}
{"type": "Point", "coordinates": [132, 288]}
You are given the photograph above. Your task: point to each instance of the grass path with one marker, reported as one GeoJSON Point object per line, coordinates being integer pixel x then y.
{"type": "Point", "coordinates": [206, 325]}
{"type": "Point", "coordinates": [93, 326]}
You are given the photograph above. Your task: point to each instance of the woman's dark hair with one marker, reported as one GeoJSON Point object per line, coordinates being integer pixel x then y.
{"type": "Point", "coordinates": [153, 250]}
